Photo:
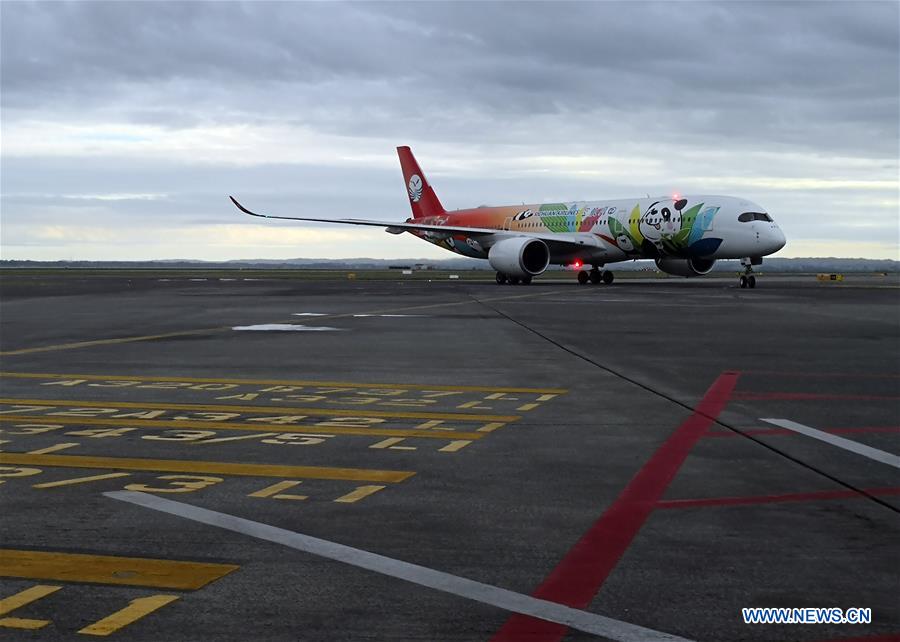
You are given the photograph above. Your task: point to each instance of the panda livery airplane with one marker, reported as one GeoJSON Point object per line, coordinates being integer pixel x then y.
{"type": "Point", "coordinates": [685, 235]}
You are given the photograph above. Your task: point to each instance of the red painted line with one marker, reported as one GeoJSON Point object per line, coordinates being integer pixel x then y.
{"type": "Point", "coordinates": [820, 375]}
{"type": "Point", "coordinates": [783, 431]}
{"type": "Point", "coordinates": [578, 577]}
{"type": "Point", "coordinates": [809, 396]}
{"type": "Point", "coordinates": [890, 637]}
{"type": "Point", "coordinates": [772, 499]}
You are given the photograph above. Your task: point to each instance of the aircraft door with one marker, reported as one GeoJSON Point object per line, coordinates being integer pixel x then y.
{"type": "Point", "coordinates": [507, 223]}
{"type": "Point", "coordinates": [706, 218]}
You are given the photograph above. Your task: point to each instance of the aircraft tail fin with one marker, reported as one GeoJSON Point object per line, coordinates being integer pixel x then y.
{"type": "Point", "coordinates": [422, 199]}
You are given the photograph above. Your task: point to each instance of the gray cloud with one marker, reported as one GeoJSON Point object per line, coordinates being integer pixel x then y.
{"type": "Point", "coordinates": [692, 90]}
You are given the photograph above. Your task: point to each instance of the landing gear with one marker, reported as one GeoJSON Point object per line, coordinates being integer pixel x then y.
{"type": "Point", "coordinates": [595, 276]}
{"type": "Point", "coordinates": [503, 279]}
{"type": "Point", "coordinates": [748, 279]}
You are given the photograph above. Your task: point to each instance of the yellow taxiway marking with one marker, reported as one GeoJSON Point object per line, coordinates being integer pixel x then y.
{"type": "Point", "coordinates": [211, 467]}
{"type": "Point", "coordinates": [317, 412]}
{"type": "Point", "coordinates": [52, 449]}
{"type": "Point", "coordinates": [23, 598]}
{"type": "Point", "coordinates": [387, 443]}
{"type": "Point", "coordinates": [358, 494]}
{"type": "Point", "coordinates": [23, 623]}
{"type": "Point", "coordinates": [226, 425]}
{"type": "Point", "coordinates": [135, 610]}
{"type": "Point", "coordinates": [109, 569]}
{"type": "Point", "coordinates": [281, 382]}
{"type": "Point", "coordinates": [182, 333]}
{"type": "Point", "coordinates": [103, 342]}
{"type": "Point", "coordinates": [527, 406]}
{"type": "Point", "coordinates": [485, 428]}
{"type": "Point", "coordinates": [275, 491]}
{"type": "Point", "coordinates": [79, 480]}
{"type": "Point", "coordinates": [455, 445]}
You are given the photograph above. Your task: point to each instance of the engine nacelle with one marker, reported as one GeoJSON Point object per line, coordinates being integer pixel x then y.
{"type": "Point", "coordinates": [686, 267]}
{"type": "Point", "coordinates": [519, 256]}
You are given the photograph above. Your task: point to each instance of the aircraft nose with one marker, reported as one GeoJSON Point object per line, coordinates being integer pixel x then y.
{"type": "Point", "coordinates": [776, 239]}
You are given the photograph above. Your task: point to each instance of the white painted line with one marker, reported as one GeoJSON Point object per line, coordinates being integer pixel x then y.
{"type": "Point", "coordinates": [438, 580]}
{"type": "Point", "coordinates": [310, 314]}
{"type": "Point", "coordinates": [840, 442]}
{"type": "Point", "coordinates": [390, 316]}
{"type": "Point", "coordinates": [285, 327]}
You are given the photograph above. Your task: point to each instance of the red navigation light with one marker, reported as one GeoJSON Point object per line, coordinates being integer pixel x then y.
{"type": "Point", "coordinates": [676, 196]}
{"type": "Point", "coordinates": [577, 264]}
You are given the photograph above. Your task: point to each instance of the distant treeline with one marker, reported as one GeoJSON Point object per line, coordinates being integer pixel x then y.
{"type": "Point", "coordinates": [813, 264]}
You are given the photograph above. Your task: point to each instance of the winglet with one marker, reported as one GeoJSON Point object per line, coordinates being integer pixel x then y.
{"type": "Point", "coordinates": [244, 209]}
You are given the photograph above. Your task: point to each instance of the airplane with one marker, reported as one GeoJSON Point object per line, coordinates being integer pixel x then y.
{"type": "Point", "coordinates": [684, 235]}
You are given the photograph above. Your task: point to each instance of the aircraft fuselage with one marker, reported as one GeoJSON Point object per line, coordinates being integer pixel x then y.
{"type": "Point", "coordinates": [707, 227]}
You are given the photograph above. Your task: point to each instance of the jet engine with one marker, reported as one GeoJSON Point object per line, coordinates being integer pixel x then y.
{"type": "Point", "coordinates": [519, 257]}
{"type": "Point", "coordinates": [686, 267]}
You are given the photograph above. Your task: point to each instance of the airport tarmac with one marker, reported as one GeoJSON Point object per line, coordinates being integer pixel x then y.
{"type": "Point", "coordinates": [447, 460]}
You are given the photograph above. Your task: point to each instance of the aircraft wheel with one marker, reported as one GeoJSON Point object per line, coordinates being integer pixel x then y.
{"type": "Point", "coordinates": [526, 280]}
{"type": "Point", "coordinates": [607, 276]}
{"type": "Point", "coordinates": [501, 278]}
{"type": "Point", "coordinates": [514, 280]}
{"type": "Point", "coordinates": [583, 277]}
{"type": "Point", "coordinates": [596, 277]}
{"type": "Point", "coordinates": [743, 281]}
{"type": "Point", "coordinates": [751, 281]}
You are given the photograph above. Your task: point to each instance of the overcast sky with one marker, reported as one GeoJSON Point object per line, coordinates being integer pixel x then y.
{"type": "Point", "coordinates": [126, 125]}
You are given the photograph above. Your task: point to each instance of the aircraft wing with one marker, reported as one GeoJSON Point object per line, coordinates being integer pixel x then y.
{"type": "Point", "coordinates": [392, 226]}
{"type": "Point", "coordinates": [571, 244]}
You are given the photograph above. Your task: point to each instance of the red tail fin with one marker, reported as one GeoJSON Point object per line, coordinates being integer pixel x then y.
{"type": "Point", "coordinates": [422, 199]}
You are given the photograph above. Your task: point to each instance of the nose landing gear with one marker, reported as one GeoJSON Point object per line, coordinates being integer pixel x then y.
{"type": "Point", "coordinates": [748, 279]}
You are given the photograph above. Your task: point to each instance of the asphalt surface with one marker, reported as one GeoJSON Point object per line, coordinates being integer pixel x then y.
{"type": "Point", "coordinates": [601, 447]}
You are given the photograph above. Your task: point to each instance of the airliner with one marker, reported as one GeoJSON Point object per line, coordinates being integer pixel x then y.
{"type": "Point", "coordinates": [684, 235]}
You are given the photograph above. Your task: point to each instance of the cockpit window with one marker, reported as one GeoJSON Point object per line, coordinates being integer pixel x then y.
{"type": "Point", "coordinates": [746, 217]}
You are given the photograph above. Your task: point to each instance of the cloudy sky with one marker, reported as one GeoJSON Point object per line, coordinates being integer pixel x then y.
{"type": "Point", "coordinates": [125, 125]}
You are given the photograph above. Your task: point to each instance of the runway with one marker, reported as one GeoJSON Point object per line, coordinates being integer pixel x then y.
{"type": "Point", "coordinates": [353, 459]}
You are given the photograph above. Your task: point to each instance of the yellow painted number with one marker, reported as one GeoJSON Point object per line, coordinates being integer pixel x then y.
{"type": "Point", "coordinates": [181, 435]}
{"type": "Point", "coordinates": [98, 433]}
{"type": "Point", "coordinates": [297, 439]}
{"type": "Point", "coordinates": [178, 484]}
{"type": "Point", "coordinates": [34, 429]}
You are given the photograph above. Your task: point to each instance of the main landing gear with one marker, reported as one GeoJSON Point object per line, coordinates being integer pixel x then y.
{"type": "Point", "coordinates": [595, 276]}
{"type": "Point", "coordinates": [748, 279]}
{"type": "Point", "coordinates": [512, 280]}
